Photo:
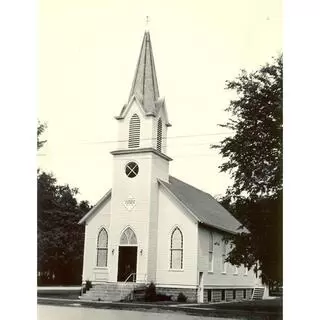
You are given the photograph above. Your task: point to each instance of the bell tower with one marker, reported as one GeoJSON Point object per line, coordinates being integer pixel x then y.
{"type": "Point", "coordinates": [138, 162]}
{"type": "Point", "coordinates": [143, 120]}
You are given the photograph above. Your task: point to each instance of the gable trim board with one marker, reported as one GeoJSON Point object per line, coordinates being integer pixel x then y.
{"type": "Point", "coordinates": [96, 207]}
{"type": "Point", "coordinates": [177, 199]}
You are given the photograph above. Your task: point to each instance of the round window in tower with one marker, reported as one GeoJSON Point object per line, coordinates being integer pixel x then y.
{"type": "Point", "coordinates": [132, 169]}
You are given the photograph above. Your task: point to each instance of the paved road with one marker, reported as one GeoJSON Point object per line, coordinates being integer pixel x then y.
{"type": "Point", "coordinates": [75, 312]}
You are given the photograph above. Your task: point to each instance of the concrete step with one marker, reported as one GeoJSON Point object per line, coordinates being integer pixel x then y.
{"type": "Point", "coordinates": [112, 291]}
{"type": "Point", "coordinates": [257, 293]}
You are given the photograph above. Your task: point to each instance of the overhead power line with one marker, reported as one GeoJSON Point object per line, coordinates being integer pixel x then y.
{"type": "Point", "coordinates": [150, 139]}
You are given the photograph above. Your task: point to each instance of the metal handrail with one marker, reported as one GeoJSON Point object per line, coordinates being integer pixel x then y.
{"type": "Point", "coordinates": [133, 283]}
{"type": "Point", "coordinates": [131, 274]}
{"type": "Point", "coordinates": [125, 281]}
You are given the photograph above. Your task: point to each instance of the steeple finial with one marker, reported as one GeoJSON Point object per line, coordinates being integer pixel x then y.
{"type": "Point", "coordinates": [147, 22]}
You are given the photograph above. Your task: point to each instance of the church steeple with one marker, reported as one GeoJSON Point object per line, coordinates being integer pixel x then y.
{"type": "Point", "coordinates": [143, 120]}
{"type": "Point", "coordinates": [145, 84]}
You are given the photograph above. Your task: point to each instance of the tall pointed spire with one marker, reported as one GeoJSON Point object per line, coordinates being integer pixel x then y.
{"type": "Point", "coordinates": [145, 84]}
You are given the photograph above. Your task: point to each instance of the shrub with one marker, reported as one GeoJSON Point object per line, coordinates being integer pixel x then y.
{"type": "Point", "coordinates": [150, 292]}
{"type": "Point", "coordinates": [181, 297]}
{"type": "Point", "coordinates": [88, 285]}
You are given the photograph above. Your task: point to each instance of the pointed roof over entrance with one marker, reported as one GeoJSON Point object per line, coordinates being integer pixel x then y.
{"type": "Point", "coordinates": [145, 84]}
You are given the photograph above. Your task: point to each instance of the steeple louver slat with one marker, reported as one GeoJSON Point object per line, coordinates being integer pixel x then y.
{"type": "Point", "coordinates": [134, 132]}
{"type": "Point", "coordinates": [159, 135]}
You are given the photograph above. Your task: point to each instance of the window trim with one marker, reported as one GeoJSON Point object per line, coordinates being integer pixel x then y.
{"type": "Point", "coordinates": [128, 239]}
{"type": "Point", "coordinates": [176, 249]}
{"type": "Point", "coordinates": [224, 264]}
{"type": "Point", "coordinates": [211, 251]}
{"type": "Point", "coordinates": [99, 249]}
{"type": "Point", "coordinates": [132, 170]}
{"type": "Point", "coordinates": [236, 271]}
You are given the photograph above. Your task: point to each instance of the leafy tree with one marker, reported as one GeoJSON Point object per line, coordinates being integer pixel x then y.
{"type": "Point", "coordinates": [253, 157]}
{"type": "Point", "coordinates": [40, 129]}
{"type": "Point", "coordinates": [60, 238]}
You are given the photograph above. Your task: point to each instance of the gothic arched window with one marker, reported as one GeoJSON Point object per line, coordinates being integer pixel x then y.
{"type": "Point", "coordinates": [134, 132]}
{"type": "Point", "coordinates": [128, 237]}
{"type": "Point", "coordinates": [176, 249]}
{"type": "Point", "coordinates": [159, 135]}
{"type": "Point", "coordinates": [102, 248]}
{"type": "Point", "coordinates": [211, 252]}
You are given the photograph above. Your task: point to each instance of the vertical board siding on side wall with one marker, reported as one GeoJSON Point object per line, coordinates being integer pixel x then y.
{"type": "Point", "coordinates": [172, 215]}
{"type": "Point", "coordinates": [217, 277]}
{"type": "Point", "coordinates": [101, 219]}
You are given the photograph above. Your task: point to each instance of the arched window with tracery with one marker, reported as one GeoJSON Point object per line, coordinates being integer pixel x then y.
{"type": "Point", "coordinates": [102, 248]}
{"type": "Point", "coordinates": [176, 249]}
{"type": "Point", "coordinates": [159, 135]}
{"type": "Point", "coordinates": [128, 237]}
{"type": "Point", "coordinates": [134, 132]}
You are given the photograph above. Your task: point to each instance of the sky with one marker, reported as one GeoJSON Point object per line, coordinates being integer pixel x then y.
{"type": "Point", "coordinates": [87, 54]}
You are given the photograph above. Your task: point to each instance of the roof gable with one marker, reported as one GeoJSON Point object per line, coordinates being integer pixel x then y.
{"type": "Point", "coordinates": [128, 106]}
{"type": "Point", "coordinates": [96, 207]}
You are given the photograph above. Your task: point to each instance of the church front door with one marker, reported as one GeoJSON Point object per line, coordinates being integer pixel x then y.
{"type": "Point", "coordinates": [127, 264]}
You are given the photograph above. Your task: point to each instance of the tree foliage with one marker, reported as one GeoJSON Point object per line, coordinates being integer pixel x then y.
{"type": "Point", "coordinates": [253, 157]}
{"type": "Point", "coordinates": [40, 130]}
{"type": "Point", "coordinates": [60, 238]}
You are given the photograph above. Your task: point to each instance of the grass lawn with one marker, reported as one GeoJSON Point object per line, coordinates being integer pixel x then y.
{"type": "Point", "coordinates": [272, 305]}
{"type": "Point", "coordinates": [56, 293]}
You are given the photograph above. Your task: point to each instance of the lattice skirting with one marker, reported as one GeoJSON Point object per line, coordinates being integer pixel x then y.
{"type": "Point", "coordinates": [227, 294]}
{"type": "Point", "coordinates": [191, 294]}
{"type": "Point", "coordinates": [209, 295]}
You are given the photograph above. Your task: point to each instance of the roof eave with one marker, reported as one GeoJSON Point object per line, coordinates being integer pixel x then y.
{"type": "Point", "coordinates": [179, 201]}
{"type": "Point", "coordinates": [219, 228]}
{"type": "Point", "coordinates": [97, 205]}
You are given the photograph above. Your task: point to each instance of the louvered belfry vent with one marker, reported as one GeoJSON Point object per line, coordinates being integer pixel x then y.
{"type": "Point", "coordinates": [159, 135]}
{"type": "Point", "coordinates": [134, 132]}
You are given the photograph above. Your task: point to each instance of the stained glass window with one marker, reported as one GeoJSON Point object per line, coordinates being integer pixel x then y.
{"type": "Point", "coordinates": [102, 248]}
{"type": "Point", "coordinates": [176, 249]}
{"type": "Point", "coordinates": [128, 237]}
{"type": "Point", "coordinates": [210, 252]}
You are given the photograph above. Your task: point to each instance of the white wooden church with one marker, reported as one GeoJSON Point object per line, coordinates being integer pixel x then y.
{"type": "Point", "coordinates": [151, 226]}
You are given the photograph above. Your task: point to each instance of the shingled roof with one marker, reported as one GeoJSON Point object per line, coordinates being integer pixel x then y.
{"type": "Point", "coordinates": [203, 206]}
